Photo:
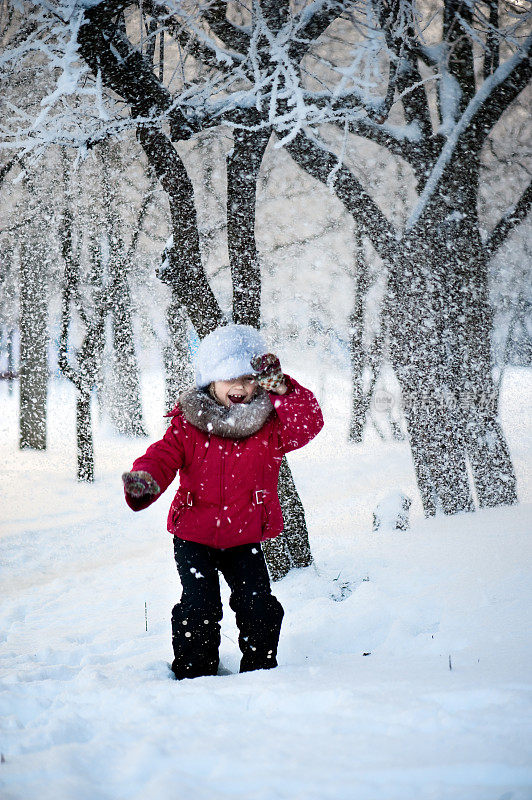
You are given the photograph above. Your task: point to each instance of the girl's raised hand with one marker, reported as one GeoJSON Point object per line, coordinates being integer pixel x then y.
{"type": "Point", "coordinates": [269, 373]}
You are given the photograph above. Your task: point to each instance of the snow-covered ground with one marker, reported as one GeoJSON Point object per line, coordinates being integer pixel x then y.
{"type": "Point", "coordinates": [404, 657]}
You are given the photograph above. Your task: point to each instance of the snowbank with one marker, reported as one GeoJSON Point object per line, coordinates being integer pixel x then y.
{"type": "Point", "coordinates": [404, 658]}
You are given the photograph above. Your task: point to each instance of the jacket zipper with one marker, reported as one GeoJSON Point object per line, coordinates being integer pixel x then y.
{"type": "Point", "coordinates": [222, 470]}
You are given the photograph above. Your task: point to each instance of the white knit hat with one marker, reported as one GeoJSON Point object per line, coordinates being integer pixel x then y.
{"type": "Point", "coordinates": [226, 352]}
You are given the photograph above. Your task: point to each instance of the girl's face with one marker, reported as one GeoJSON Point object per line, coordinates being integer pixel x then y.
{"type": "Point", "coordinates": [237, 390]}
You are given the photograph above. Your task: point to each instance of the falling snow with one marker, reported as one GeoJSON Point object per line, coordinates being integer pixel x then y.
{"type": "Point", "coordinates": [352, 179]}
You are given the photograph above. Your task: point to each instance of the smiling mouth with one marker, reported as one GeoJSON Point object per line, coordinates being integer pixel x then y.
{"type": "Point", "coordinates": [236, 398]}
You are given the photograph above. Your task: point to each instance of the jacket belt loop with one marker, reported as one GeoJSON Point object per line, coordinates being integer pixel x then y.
{"type": "Point", "coordinates": [258, 496]}
{"type": "Point", "coordinates": [189, 499]}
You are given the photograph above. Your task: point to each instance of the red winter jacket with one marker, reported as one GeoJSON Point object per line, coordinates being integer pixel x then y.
{"type": "Point", "coordinates": [228, 487]}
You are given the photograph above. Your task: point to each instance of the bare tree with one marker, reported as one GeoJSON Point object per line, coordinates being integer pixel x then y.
{"type": "Point", "coordinates": [83, 370]}
{"type": "Point", "coordinates": [125, 406]}
{"type": "Point", "coordinates": [183, 267]}
{"type": "Point", "coordinates": [438, 295]}
{"type": "Point", "coordinates": [34, 261]}
{"type": "Point", "coordinates": [426, 82]}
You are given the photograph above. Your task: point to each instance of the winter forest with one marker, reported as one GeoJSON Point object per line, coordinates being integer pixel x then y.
{"type": "Point", "coordinates": [353, 179]}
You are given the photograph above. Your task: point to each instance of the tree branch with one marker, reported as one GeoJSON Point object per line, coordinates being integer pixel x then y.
{"type": "Point", "coordinates": [276, 13]}
{"type": "Point", "coordinates": [460, 60]}
{"type": "Point", "coordinates": [107, 50]}
{"type": "Point", "coordinates": [308, 29]}
{"type": "Point", "coordinates": [147, 200]}
{"type": "Point", "coordinates": [468, 134]}
{"type": "Point", "coordinates": [201, 51]}
{"type": "Point", "coordinates": [185, 272]}
{"type": "Point", "coordinates": [508, 82]}
{"type": "Point", "coordinates": [491, 55]}
{"type": "Point", "coordinates": [243, 165]}
{"type": "Point", "coordinates": [395, 19]}
{"type": "Point", "coordinates": [415, 100]}
{"type": "Point", "coordinates": [4, 170]}
{"type": "Point", "coordinates": [229, 34]}
{"type": "Point", "coordinates": [323, 165]}
{"type": "Point", "coordinates": [413, 152]}
{"type": "Point", "coordinates": [509, 221]}
{"type": "Point", "coordinates": [411, 149]}
{"type": "Point", "coordinates": [22, 34]}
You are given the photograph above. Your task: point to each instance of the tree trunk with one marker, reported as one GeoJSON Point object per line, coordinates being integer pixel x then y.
{"type": "Point", "coordinates": [125, 406]}
{"type": "Point", "coordinates": [440, 325]}
{"type": "Point", "coordinates": [178, 369]}
{"type": "Point", "coordinates": [10, 351]}
{"type": "Point", "coordinates": [484, 440]}
{"type": "Point", "coordinates": [291, 548]}
{"type": "Point", "coordinates": [182, 268]}
{"type": "Point", "coordinates": [359, 401]}
{"type": "Point", "coordinates": [437, 450]}
{"type": "Point", "coordinates": [243, 165]}
{"type": "Point", "coordinates": [89, 355]}
{"type": "Point", "coordinates": [295, 526]}
{"type": "Point", "coordinates": [33, 343]}
{"type": "Point", "coordinates": [490, 460]}
{"type": "Point", "coordinates": [85, 448]}
{"type": "Point", "coordinates": [90, 359]}
{"type": "Point", "coordinates": [277, 557]}
{"type": "Point", "coordinates": [441, 354]}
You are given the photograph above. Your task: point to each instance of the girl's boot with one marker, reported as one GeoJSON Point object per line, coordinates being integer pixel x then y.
{"type": "Point", "coordinates": [196, 642]}
{"type": "Point", "coordinates": [259, 621]}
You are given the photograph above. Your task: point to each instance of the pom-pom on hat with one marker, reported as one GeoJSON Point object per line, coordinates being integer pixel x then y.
{"type": "Point", "coordinates": [226, 353]}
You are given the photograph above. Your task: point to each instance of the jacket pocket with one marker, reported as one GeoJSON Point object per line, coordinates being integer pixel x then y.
{"type": "Point", "coordinates": [176, 509]}
{"type": "Point", "coordinates": [266, 519]}
{"type": "Point", "coordinates": [264, 516]}
{"type": "Point", "coordinates": [272, 519]}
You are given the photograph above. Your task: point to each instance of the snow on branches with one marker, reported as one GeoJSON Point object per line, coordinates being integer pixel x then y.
{"type": "Point", "coordinates": [373, 68]}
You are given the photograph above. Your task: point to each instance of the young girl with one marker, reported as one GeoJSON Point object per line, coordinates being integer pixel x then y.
{"type": "Point", "coordinates": [227, 439]}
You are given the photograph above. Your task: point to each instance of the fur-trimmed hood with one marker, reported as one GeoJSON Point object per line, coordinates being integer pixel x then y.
{"type": "Point", "coordinates": [236, 422]}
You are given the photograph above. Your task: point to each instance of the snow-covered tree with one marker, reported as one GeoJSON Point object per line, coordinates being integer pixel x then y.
{"type": "Point", "coordinates": [426, 81]}
{"type": "Point", "coordinates": [448, 95]}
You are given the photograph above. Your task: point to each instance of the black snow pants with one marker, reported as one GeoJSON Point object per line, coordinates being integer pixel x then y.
{"type": "Point", "coordinates": [196, 618]}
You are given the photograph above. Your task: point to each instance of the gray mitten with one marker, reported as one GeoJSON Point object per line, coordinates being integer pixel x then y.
{"type": "Point", "coordinates": [139, 483]}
